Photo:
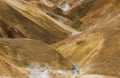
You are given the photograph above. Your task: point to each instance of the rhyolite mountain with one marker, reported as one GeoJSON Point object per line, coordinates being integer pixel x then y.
{"type": "Point", "coordinates": [66, 38]}
{"type": "Point", "coordinates": [27, 22]}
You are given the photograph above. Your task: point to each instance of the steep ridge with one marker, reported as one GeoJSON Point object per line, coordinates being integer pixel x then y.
{"type": "Point", "coordinates": [31, 23]}
{"type": "Point", "coordinates": [17, 55]}
{"type": "Point", "coordinates": [55, 8]}
{"type": "Point", "coordinates": [91, 12]}
{"type": "Point", "coordinates": [96, 50]}
{"type": "Point", "coordinates": [28, 26]}
{"type": "Point", "coordinates": [51, 10]}
{"type": "Point", "coordinates": [63, 3]}
{"type": "Point", "coordinates": [79, 9]}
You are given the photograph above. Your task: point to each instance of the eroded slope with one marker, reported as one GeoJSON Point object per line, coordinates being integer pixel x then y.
{"type": "Point", "coordinates": [22, 20]}
{"type": "Point", "coordinates": [91, 12]}
{"type": "Point", "coordinates": [96, 50]}
{"type": "Point", "coordinates": [17, 55]}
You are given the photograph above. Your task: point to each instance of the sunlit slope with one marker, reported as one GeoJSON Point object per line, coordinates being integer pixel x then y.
{"type": "Point", "coordinates": [16, 55]}
{"type": "Point", "coordinates": [51, 10]}
{"type": "Point", "coordinates": [91, 12]}
{"type": "Point", "coordinates": [26, 21]}
{"type": "Point", "coordinates": [96, 50]}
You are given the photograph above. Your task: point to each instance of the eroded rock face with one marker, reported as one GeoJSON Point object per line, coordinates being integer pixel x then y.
{"type": "Point", "coordinates": [91, 12]}
{"type": "Point", "coordinates": [27, 25]}
{"type": "Point", "coordinates": [17, 55]}
{"type": "Point", "coordinates": [56, 8]}
{"type": "Point", "coordinates": [96, 50]}
{"type": "Point", "coordinates": [30, 22]}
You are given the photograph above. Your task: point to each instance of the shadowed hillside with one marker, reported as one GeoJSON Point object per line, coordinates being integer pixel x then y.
{"type": "Point", "coordinates": [30, 22]}
{"type": "Point", "coordinates": [87, 13]}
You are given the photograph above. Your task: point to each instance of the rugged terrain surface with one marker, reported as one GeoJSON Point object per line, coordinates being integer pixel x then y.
{"type": "Point", "coordinates": [96, 50]}
{"type": "Point", "coordinates": [28, 22]}
{"type": "Point", "coordinates": [17, 54]}
{"type": "Point", "coordinates": [59, 39]}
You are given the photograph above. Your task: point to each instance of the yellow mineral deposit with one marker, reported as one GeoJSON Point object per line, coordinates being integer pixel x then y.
{"type": "Point", "coordinates": [59, 38]}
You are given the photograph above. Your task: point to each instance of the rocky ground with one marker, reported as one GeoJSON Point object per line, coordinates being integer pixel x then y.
{"type": "Point", "coordinates": [59, 39]}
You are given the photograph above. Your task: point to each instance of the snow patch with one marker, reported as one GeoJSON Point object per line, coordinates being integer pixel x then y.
{"type": "Point", "coordinates": [36, 72]}
{"type": "Point", "coordinates": [75, 33]}
{"type": "Point", "coordinates": [75, 70]}
{"type": "Point", "coordinates": [65, 7]}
